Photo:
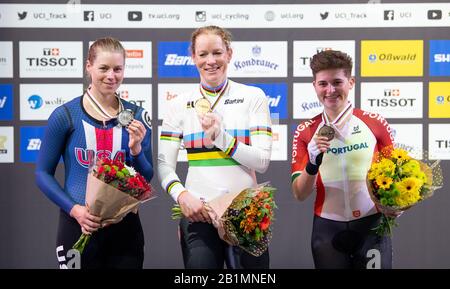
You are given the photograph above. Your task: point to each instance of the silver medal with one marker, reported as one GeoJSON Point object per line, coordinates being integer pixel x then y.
{"type": "Point", "coordinates": [125, 117]}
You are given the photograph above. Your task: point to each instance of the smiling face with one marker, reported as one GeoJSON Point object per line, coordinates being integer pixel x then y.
{"type": "Point", "coordinates": [211, 56]}
{"type": "Point", "coordinates": [106, 71]}
{"type": "Point", "coordinates": [332, 87]}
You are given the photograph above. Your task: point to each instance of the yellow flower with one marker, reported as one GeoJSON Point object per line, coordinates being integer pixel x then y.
{"type": "Point", "coordinates": [410, 168]}
{"type": "Point", "coordinates": [384, 182]}
{"type": "Point", "coordinates": [387, 166]}
{"type": "Point", "coordinates": [374, 172]}
{"type": "Point", "coordinates": [409, 189]}
{"type": "Point", "coordinates": [400, 155]}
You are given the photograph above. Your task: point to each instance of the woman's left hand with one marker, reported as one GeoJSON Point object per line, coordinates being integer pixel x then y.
{"type": "Point", "coordinates": [137, 132]}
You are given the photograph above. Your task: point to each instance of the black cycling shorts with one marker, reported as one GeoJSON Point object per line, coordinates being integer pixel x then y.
{"type": "Point", "coordinates": [350, 244]}
{"type": "Point", "coordinates": [203, 249]}
{"type": "Point", "coordinates": [118, 245]}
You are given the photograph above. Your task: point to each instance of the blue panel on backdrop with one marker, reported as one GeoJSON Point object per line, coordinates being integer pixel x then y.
{"type": "Point", "coordinates": [174, 60]}
{"type": "Point", "coordinates": [439, 57]}
{"type": "Point", "coordinates": [30, 142]}
{"type": "Point", "coordinates": [277, 94]}
{"type": "Point", "coordinates": [6, 101]}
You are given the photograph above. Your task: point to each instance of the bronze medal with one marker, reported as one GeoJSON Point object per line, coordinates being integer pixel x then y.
{"type": "Point", "coordinates": [327, 131]}
{"type": "Point", "coordinates": [125, 117]}
{"type": "Point", "coordinates": [202, 106]}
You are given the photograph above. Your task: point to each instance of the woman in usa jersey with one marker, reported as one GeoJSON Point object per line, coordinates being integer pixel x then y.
{"type": "Point", "coordinates": [81, 131]}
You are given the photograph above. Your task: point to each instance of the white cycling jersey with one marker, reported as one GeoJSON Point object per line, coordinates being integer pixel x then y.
{"type": "Point", "coordinates": [228, 164]}
{"type": "Point", "coordinates": [341, 189]}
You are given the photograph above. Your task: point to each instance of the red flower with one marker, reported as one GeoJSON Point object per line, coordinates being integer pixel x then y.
{"type": "Point", "coordinates": [265, 223]}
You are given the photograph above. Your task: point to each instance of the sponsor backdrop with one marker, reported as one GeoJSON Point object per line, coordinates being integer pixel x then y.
{"type": "Point", "coordinates": [402, 68]}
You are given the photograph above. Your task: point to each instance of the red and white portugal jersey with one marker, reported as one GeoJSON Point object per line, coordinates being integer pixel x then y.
{"type": "Point", "coordinates": [341, 190]}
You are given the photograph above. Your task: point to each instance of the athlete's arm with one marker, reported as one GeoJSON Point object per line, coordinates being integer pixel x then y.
{"type": "Point", "coordinates": [169, 145]}
{"type": "Point", "coordinates": [257, 155]}
{"type": "Point", "coordinates": [142, 162]}
{"type": "Point", "coordinates": [52, 147]}
{"type": "Point", "coordinates": [306, 159]}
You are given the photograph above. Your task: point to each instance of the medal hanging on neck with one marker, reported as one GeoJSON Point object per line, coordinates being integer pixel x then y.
{"type": "Point", "coordinates": [124, 117]}
{"type": "Point", "coordinates": [203, 106]}
{"type": "Point", "coordinates": [327, 130]}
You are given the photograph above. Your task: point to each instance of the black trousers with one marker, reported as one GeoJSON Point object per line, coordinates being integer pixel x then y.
{"type": "Point", "coordinates": [203, 249]}
{"type": "Point", "coordinates": [353, 244]}
{"type": "Point", "coordinates": [119, 245]}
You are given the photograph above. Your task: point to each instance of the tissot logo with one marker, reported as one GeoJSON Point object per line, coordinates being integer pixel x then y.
{"type": "Point", "coordinates": [88, 15]}
{"type": "Point", "coordinates": [51, 51]}
{"type": "Point", "coordinates": [443, 143]}
{"type": "Point", "coordinates": [393, 99]}
{"type": "Point", "coordinates": [389, 15]}
{"type": "Point", "coordinates": [22, 15]}
{"type": "Point", "coordinates": [51, 59]}
{"type": "Point", "coordinates": [392, 92]}
{"type": "Point", "coordinates": [134, 16]}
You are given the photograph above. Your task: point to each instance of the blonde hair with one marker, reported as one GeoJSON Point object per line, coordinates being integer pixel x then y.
{"type": "Point", "coordinates": [105, 44]}
{"type": "Point", "coordinates": [212, 29]}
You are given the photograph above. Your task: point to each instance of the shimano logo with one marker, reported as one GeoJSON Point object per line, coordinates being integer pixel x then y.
{"type": "Point", "coordinates": [178, 60]}
{"type": "Point", "coordinates": [34, 144]}
{"type": "Point", "coordinates": [442, 57]}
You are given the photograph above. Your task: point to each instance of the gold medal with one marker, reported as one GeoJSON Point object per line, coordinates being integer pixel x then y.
{"type": "Point", "coordinates": [202, 106]}
{"type": "Point", "coordinates": [327, 131]}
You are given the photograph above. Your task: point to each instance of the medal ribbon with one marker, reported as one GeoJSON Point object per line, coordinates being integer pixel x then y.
{"type": "Point", "coordinates": [99, 108]}
{"type": "Point", "coordinates": [221, 92]}
{"type": "Point", "coordinates": [340, 118]}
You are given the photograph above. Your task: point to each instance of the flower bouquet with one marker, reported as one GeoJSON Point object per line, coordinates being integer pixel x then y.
{"type": "Point", "coordinates": [397, 182]}
{"type": "Point", "coordinates": [242, 219]}
{"type": "Point", "coordinates": [113, 190]}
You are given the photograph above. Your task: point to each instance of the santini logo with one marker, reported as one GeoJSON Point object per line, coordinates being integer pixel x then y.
{"type": "Point", "coordinates": [234, 101]}
{"type": "Point", "coordinates": [177, 60]}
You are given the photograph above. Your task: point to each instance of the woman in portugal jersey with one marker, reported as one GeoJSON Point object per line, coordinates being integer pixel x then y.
{"type": "Point", "coordinates": [332, 153]}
